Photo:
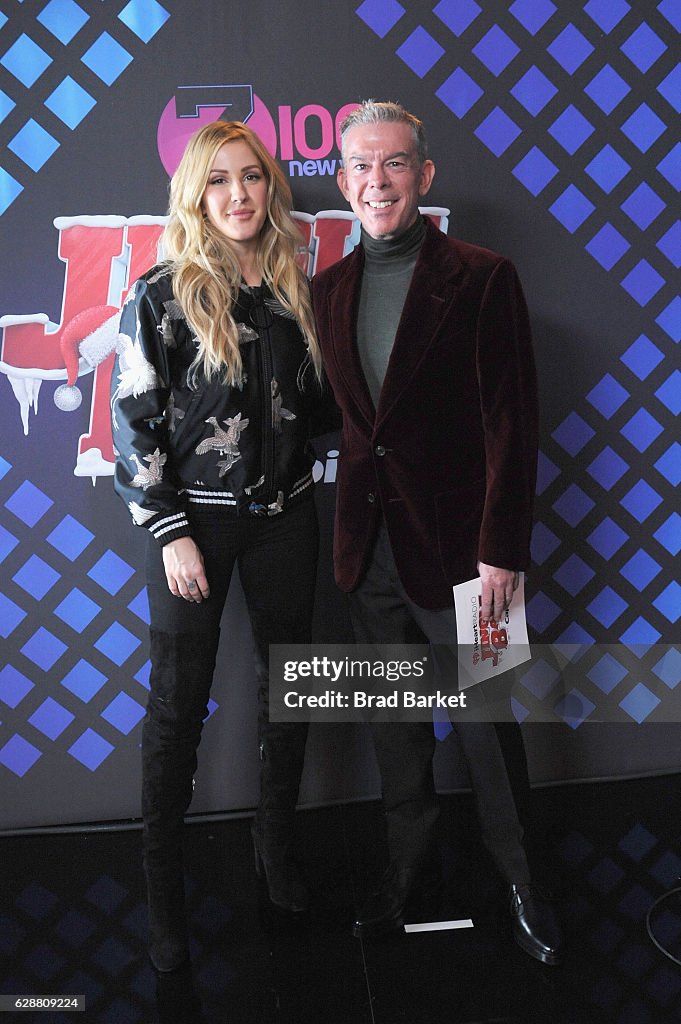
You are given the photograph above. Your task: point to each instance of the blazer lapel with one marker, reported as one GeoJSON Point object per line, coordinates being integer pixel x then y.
{"type": "Point", "coordinates": [432, 291]}
{"type": "Point", "coordinates": [343, 304]}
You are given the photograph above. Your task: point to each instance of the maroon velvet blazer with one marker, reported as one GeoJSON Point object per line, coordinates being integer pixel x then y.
{"type": "Point", "coordinates": [449, 456]}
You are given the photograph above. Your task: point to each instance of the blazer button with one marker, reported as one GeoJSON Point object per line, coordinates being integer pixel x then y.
{"type": "Point", "coordinates": [371, 497]}
{"type": "Point", "coordinates": [379, 449]}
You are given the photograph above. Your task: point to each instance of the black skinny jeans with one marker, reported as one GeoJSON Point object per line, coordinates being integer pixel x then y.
{"type": "Point", "coordinates": [277, 560]}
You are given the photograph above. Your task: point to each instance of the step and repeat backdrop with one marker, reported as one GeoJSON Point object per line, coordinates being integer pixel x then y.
{"type": "Point", "coordinates": [553, 127]}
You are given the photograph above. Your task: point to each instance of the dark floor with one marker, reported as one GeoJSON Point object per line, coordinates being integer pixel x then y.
{"type": "Point", "coordinates": [72, 920]}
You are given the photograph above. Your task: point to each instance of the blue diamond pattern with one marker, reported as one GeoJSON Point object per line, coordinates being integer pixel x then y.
{"type": "Point", "coordinates": [84, 681]}
{"type": "Point", "coordinates": [36, 577]}
{"type": "Point", "coordinates": [607, 13]}
{"type": "Point", "coordinates": [33, 145]}
{"type": "Point", "coordinates": [534, 90]}
{"type": "Point", "coordinates": [139, 606]}
{"type": "Point", "coordinates": [144, 18]}
{"type": "Point", "coordinates": [8, 542]}
{"type": "Point", "coordinates": [420, 51]}
{"type": "Point", "coordinates": [14, 686]}
{"type": "Point", "coordinates": [117, 643]}
{"type": "Point", "coordinates": [570, 48]}
{"type": "Point", "coordinates": [637, 843]}
{"type": "Point", "coordinates": [9, 189]}
{"type": "Point", "coordinates": [573, 505]}
{"type": "Point", "coordinates": [607, 468]}
{"type": "Point", "coordinates": [63, 18]}
{"type": "Point", "coordinates": [10, 616]}
{"type": "Point", "coordinates": [26, 60]}
{"type": "Point", "coordinates": [643, 47]}
{"type": "Point", "coordinates": [496, 50]}
{"type": "Point", "coordinates": [142, 677]}
{"type": "Point", "coordinates": [670, 166]}
{"type": "Point", "coordinates": [668, 603]}
{"type": "Point", "coordinates": [670, 244]}
{"type": "Point", "coordinates": [643, 128]}
{"type": "Point", "coordinates": [643, 206]}
{"type": "Point", "coordinates": [643, 282]}
{"type": "Point", "coordinates": [457, 15]}
{"type": "Point", "coordinates": [607, 673]}
{"type": "Point", "coordinates": [77, 610]}
{"type": "Point", "coordinates": [608, 246]}
{"type": "Point", "coordinates": [641, 501]}
{"type": "Point", "coordinates": [667, 869]}
{"type": "Point", "coordinates": [70, 538]}
{"type": "Point", "coordinates": [607, 606]}
{"type": "Point", "coordinates": [111, 572]}
{"type": "Point", "coordinates": [607, 538]}
{"type": "Point", "coordinates": [571, 129]}
{"type": "Point", "coordinates": [640, 632]}
{"type": "Point", "coordinates": [19, 755]}
{"type": "Point", "coordinates": [43, 648]}
{"type": "Point", "coordinates": [668, 668]}
{"type": "Point", "coordinates": [572, 208]}
{"type": "Point", "coordinates": [547, 472]}
{"type": "Point", "coordinates": [574, 708]}
{"type": "Point", "coordinates": [90, 749]}
{"type": "Point", "coordinates": [106, 58]}
{"type": "Point", "coordinates": [123, 713]}
{"type": "Point", "coordinates": [642, 357]}
{"type": "Point", "coordinates": [51, 718]}
{"type": "Point", "coordinates": [640, 569]}
{"type": "Point", "coordinates": [606, 875]}
{"type": "Point", "coordinates": [573, 433]}
{"type": "Point", "coordinates": [670, 10]}
{"type": "Point", "coordinates": [459, 92]}
{"type": "Point", "coordinates": [541, 611]}
{"type": "Point", "coordinates": [641, 430]}
{"type": "Point", "coordinates": [669, 534]}
{"type": "Point", "coordinates": [540, 678]}
{"type": "Point", "coordinates": [607, 168]}
{"type": "Point", "coordinates": [535, 171]}
{"type": "Point", "coordinates": [670, 88]}
{"type": "Point", "coordinates": [573, 575]}
{"type": "Point", "coordinates": [380, 15]}
{"type": "Point", "coordinates": [497, 131]}
{"type": "Point", "coordinates": [669, 464]}
{"type": "Point", "coordinates": [607, 89]}
{"type": "Point", "coordinates": [6, 105]}
{"type": "Point", "coordinates": [70, 102]}
{"type": "Point", "coordinates": [532, 14]}
{"type": "Point", "coordinates": [544, 543]}
{"type": "Point", "coordinates": [639, 703]}
{"type": "Point", "coordinates": [670, 319]}
{"type": "Point", "coordinates": [607, 396]}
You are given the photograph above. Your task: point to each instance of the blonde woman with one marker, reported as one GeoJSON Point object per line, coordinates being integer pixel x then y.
{"type": "Point", "coordinates": [218, 378]}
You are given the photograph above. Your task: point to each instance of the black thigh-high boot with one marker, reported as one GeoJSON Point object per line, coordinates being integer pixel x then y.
{"type": "Point", "coordinates": [182, 671]}
{"type": "Point", "coordinates": [282, 754]}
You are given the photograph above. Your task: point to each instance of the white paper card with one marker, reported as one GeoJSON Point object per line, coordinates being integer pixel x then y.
{"type": "Point", "coordinates": [488, 648]}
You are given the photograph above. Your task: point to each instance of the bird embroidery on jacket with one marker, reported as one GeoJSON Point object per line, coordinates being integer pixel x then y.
{"type": "Point", "coordinates": [137, 375]}
{"type": "Point", "coordinates": [148, 477]}
{"type": "Point", "coordinates": [225, 442]}
{"type": "Point", "coordinates": [278, 411]}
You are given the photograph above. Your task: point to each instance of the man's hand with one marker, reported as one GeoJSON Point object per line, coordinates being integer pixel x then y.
{"type": "Point", "coordinates": [497, 590]}
{"type": "Point", "coordinates": [185, 571]}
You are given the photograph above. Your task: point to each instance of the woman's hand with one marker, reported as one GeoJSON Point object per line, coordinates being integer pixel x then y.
{"type": "Point", "coordinates": [185, 571]}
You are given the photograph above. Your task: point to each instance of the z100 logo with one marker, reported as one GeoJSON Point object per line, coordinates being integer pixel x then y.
{"type": "Point", "coordinates": [302, 140]}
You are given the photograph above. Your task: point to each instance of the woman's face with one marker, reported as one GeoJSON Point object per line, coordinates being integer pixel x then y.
{"type": "Point", "coordinates": [235, 197]}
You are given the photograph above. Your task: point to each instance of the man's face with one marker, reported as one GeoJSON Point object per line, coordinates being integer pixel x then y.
{"type": "Point", "coordinates": [381, 177]}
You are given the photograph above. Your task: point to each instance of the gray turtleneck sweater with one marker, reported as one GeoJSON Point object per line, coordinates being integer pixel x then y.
{"type": "Point", "coordinates": [388, 269]}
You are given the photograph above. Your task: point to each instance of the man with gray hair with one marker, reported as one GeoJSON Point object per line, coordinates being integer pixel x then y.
{"type": "Point", "coordinates": [426, 343]}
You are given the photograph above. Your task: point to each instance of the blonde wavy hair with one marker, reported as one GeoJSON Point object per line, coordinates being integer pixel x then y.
{"type": "Point", "coordinates": [205, 269]}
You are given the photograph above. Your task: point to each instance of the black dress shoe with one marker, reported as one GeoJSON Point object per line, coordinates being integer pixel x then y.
{"type": "Point", "coordinates": [384, 910]}
{"type": "Point", "coordinates": [535, 928]}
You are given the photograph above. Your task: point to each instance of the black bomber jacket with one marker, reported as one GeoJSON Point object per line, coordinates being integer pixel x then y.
{"type": "Point", "coordinates": [183, 440]}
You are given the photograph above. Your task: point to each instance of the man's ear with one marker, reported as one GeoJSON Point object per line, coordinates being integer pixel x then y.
{"type": "Point", "coordinates": [427, 175]}
{"type": "Point", "coordinates": [342, 182]}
